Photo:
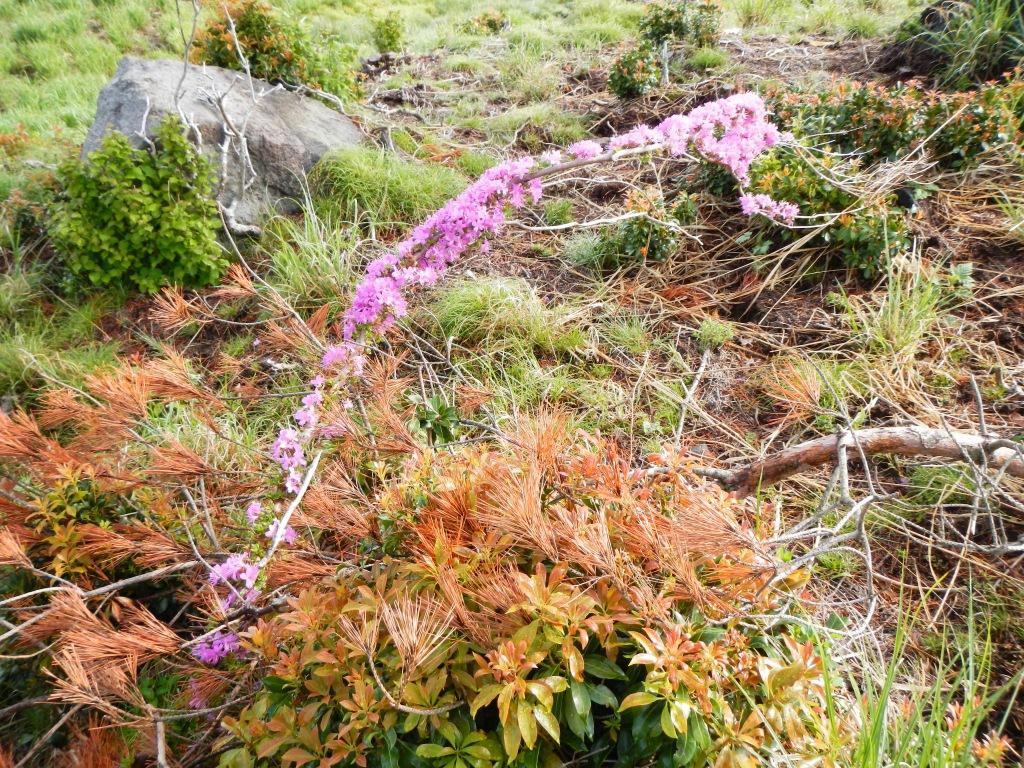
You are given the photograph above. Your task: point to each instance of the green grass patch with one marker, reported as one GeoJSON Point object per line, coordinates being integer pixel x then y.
{"type": "Point", "coordinates": [494, 311]}
{"type": "Point", "coordinates": [380, 189]}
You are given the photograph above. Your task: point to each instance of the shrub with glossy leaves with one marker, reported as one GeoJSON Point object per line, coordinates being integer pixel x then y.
{"type": "Point", "coordinates": [141, 217]}
{"type": "Point", "coordinates": [274, 49]}
{"type": "Point", "coordinates": [882, 122]}
{"type": "Point", "coordinates": [540, 605]}
{"type": "Point", "coordinates": [862, 236]}
{"type": "Point", "coordinates": [634, 73]}
{"type": "Point", "coordinates": [696, 23]}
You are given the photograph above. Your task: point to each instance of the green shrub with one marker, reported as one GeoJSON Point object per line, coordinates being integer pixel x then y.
{"type": "Point", "coordinates": [145, 218]}
{"type": "Point", "coordinates": [689, 22]}
{"type": "Point", "coordinates": [275, 50]}
{"type": "Point", "coordinates": [387, 33]}
{"type": "Point", "coordinates": [634, 73]}
{"type": "Point", "coordinates": [645, 238]}
{"type": "Point", "coordinates": [380, 188]}
{"type": "Point", "coordinates": [880, 122]}
{"type": "Point", "coordinates": [489, 22]}
{"type": "Point", "coordinates": [865, 240]}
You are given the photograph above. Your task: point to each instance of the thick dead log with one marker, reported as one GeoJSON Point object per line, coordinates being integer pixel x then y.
{"type": "Point", "coordinates": [1001, 454]}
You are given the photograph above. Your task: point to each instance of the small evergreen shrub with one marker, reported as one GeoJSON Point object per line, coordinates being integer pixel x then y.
{"type": "Point", "coordinates": [634, 73]}
{"type": "Point", "coordinates": [695, 23]}
{"type": "Point", "coordinates": [489, 23]}
{"type": "Point", "coordinates": [865, 240]}
{"type": "Point", "coordinates": [276, 50]}
{"type": "Point", "coordinates": [644, 238]}
{"type": "Point", "coordinates": [144, 218]}
{"type": "Point", "coordinates": [880, 122]}
{"type": "Point", "coordinates": [387, 33]}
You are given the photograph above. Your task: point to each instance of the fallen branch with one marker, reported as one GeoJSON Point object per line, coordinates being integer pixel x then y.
{"type": "Point", "coordinates": [1000, 454]}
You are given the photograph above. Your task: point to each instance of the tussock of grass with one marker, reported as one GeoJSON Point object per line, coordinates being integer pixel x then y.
{"type": "Point", "coordinates": [713, 334]}
{"type": "Point", "coordinates": [498, 310]}
{"type": "Point", "coordinates": [310, 260]}
{"type": "Point", "coordinates": [381, 189]}
{"type": "Point", "coordinates": [896, 324]}
{"type": "Point", "coordinates": [537, 124]}
{"type": "Point", "coordinates": [40, 343]}
{"type": "Point", "coordinates": [703, 59]}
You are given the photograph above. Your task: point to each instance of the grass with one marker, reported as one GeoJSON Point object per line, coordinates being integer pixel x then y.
{"type": "Point", "coordinates": [55, 56]}
{"type": "Point", "coordinates": [703, 59]}
{"type": "Point", "coordinates": [310, 261]}
{"type": "Point", "coordinates": [713, 334]}
{"type": "Point", "coordinates": [381, 189]}
{"type": "Point", "coordinates": [498, 310]}
{"type": "Point", "coordinates": [896, 324]}
{"type": "Point", "coordinates": [43, 343]}
{"type": "Point", "coordinates": [980, 41]}
{"type": "Point", "coordinates": [536, 125]}
{"type": "Point", "coordinates": [957, 706]}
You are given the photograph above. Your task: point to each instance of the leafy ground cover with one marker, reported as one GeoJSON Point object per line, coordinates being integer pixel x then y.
{"type": "Point", "coordinates": [514, 527]}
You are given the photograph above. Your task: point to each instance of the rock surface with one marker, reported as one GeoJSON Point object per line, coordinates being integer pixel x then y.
{"type": "Point", "coordinates": [283, 133]}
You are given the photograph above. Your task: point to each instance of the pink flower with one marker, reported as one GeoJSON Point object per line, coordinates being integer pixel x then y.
{"type": "Point", "coordinates": [764, 205]}
{"type": "Point", "coordinates": [253, 511]}
{"type": "Point", "coordinates": [215, 648]}
{"type": "Point", "coordinates": [585, 150]}
{"type": "Point", "coordinates": [289, 537]}
{"type": "Point", "coordinates": [235, 568]}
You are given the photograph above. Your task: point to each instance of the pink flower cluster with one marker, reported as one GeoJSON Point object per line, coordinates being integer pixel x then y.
{"type": "Point", "coordinates": [235, 568]}
{"type": "Point", "coordinates": [775, 210]}
{"type": "Point", "coordinates": [215, 648]}
{"type": "Point", "coordinates": [731, 131]}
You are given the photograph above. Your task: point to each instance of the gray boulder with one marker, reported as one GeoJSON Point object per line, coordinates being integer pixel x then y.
{"type": "Point", "coordinates": [261, 139]}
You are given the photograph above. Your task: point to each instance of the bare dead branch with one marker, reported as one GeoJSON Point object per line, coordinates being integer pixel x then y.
{"type": "Point", "coordinates": [999, 454]}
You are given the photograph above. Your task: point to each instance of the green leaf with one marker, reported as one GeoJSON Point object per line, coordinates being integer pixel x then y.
{"type": "Point", "coordinates": [580, 697]}
{"type": "Point", "coordinates": [666, 721]}
{"type": "Point", "coordinates": [599, 666]}
{"type": "Point", "coordinates": [638, 699]}
{"type": "Point", "coordinates": [487, 694]}
{"type": "Point", "coordinates": [548, 721]}
{"type": "Point", "coordinates": [434, 750]}
{"type": "Point", "coordinates": [527, 724]}
{"type": "Point", "coordinates": [602, 694]}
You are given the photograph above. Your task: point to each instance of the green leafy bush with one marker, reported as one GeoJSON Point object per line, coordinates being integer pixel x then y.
{"type": "Point", "coordinates": [880, 122]}
{"type": "Point", "coordinates": [387, 33]}
{"type": "Point", "coordinates": [145, 218]}
{"type": "Point", "coordinates": [648, 236]}
{"type": "Point", "coordinates": [645, 238]}
{"type": "Point", "coordinates": [275, 50]}
{"type": "Point", "coordinates": [489, 22]}
{"type": "Point", "coordinates": [864, 240]}
{"type": "Point", "coordinates": [696, 23]}
{"type": "Point", "coordinates": [634, 73]}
